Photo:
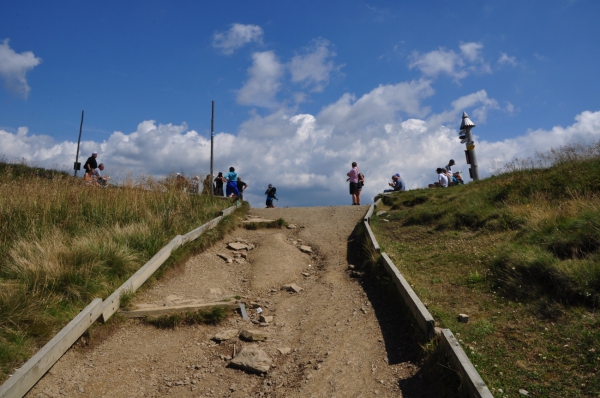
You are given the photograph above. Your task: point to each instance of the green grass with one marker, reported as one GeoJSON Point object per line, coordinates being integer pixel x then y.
{"type": "Point", "coordinates": [214, 315]}
{"type": "Point", "coordinates": [280, 223]}
{"type": "Point", "coordinates": [63, 243]}
{"type": "Point", "coordinates": [520, 254]}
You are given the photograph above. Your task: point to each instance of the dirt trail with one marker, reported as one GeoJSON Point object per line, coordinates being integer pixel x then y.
{"type": "Point", "coordinates": [345, 339]}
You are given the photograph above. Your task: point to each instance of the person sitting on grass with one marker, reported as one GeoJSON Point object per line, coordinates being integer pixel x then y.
{"type": "Point", "coordinates": [397, 184]}
{"type": "Point", "coordinates": [442, 181]}
{"type": "Point", "coordinates": [89, 179]}
{"type": "Point", "coordinates": [98, 175]}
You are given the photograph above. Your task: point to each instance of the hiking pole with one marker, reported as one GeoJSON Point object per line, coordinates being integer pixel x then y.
{"type": "Point", "coordinates": [77, 165]}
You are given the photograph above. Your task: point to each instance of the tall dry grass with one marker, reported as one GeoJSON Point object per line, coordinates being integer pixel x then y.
{"type": "Point", "coordinates": [63, 243]}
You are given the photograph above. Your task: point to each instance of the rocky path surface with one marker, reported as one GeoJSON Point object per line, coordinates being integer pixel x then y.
{"type": "Point", "coordinates": [337, 337]}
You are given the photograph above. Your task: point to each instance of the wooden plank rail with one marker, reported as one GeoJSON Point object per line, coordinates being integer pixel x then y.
{"type": "Point", "coordinates": [28, 375]}
{"type": "Point", "coordinates": [476, 387]}
{"type": "Point", "coordinates": [32, 371]}
{"type": "Point", "coordinates": [413, 302]}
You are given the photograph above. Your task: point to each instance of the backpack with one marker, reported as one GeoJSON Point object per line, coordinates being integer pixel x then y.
{"type": "Point", "coordinates": [271, 192]}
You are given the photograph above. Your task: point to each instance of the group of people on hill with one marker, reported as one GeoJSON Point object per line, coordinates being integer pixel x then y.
{"type": "Point", "coordinates": [235, 187]}
{"type": "Point", "coordinates": [93, 172]}
{"type": "Point", "coordinates": [446, 177]}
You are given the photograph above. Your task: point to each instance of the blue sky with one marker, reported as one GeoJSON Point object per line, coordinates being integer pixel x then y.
{"type": "Point", "coordinates": [301, 89]}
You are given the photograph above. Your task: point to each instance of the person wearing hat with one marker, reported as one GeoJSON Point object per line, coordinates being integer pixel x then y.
{"type": "Point", "coordinates": [90, 164]}
{"type": "Point", "coordinates": [397, 184]}
{"type": "Point", "coordinates": [270, 192]}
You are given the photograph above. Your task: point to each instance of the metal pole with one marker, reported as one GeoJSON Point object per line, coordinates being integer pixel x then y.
{"type": "Point", "coordinates": [212, 140]}
{"type": "Point", "coordinates": [78, 141]}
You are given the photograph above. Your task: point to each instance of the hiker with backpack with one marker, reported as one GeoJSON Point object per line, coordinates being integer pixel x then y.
{"type": "Point", "coordinates": [270, 192]}
{"type": "Point", "coordinates": [353, 178]}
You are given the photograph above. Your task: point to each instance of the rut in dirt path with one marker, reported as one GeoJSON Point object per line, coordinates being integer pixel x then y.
{"type": "Point", "coordinates": [345, 337]}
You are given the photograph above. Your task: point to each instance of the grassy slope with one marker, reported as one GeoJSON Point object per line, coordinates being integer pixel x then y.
{"type": "Point", "coordinates": [63, 243]}
{"type": "Point", "coordinates": [520, 254]}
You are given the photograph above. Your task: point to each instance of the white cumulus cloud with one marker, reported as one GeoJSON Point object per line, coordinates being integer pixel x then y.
{"type": "Point", "coordinates": [236, 37]}
{"type": "Point", "coordinates": [314, 66]}
{"type": "Point", "coordinates": [264, 82]}
{"type": "Point", "coordinates": [449, 62]}
{"type": "Point", "coordinates": [505, 59]}
{"type": "Point", "coordinates": [306, 156]}
{"type": "Point", "coordinates": [14, 67]}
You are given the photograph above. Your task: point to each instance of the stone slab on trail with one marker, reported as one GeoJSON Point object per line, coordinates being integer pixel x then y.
{"type": "Point", "coordinates": [253, 360]}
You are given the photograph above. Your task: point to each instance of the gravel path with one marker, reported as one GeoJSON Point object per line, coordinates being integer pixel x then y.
{"type": "Point", "coordinates": [344, 339]}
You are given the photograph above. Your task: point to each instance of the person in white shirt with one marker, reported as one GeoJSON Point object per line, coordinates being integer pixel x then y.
{"type": "Point", "coordinates": [442, 181]}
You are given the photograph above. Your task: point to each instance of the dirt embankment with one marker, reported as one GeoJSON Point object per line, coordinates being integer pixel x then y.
{"type": "Point", "coordinates": [344, 339]}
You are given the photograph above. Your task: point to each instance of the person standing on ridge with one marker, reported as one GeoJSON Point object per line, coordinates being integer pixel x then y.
{"type": "Point", "coordinates": [231, 189]}
{"type": "Point", "coordinates": [241, 186]}
{"type": "Point", "coordinates": [353, 178]}
{"type": "Point", "coordinates": [270, 192]}
{"type": "Point", "coordinates": [361, 184]}
{"type": "Point", "coordinates": [207, 185]}
{"type": "Point", "coordinates": [219, 180]}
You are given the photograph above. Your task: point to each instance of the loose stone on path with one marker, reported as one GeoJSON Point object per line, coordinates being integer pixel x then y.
{"type": "Point", "coordinates": [252, 360]}
{"type": "Point", "coordinates": [306, 249]}
{"type": "Point", "coordinates": [226, 335]}
{"type": "Point", "coordinates": [253, 335]}
{"type": "Point", "coordinates": [292, 287]}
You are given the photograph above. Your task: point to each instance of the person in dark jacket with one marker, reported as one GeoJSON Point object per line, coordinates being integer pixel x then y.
{"type": "Point", "coordinates": [241, 186]}
{"type": "Point", "coordinates": [90, 163]}
{"type": "Point", "coordinates": [270, 192]}
{"type": "Point", "coordinates": [219, 180]}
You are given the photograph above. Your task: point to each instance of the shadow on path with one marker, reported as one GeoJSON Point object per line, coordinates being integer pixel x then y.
{"type": "Point", "coordinates": [403, 340]}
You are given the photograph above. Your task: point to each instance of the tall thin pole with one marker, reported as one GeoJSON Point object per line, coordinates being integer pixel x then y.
{"type": "Point", "coordinates": [212, 141]}
{"type": "Point", "coordinates": [78, 141]}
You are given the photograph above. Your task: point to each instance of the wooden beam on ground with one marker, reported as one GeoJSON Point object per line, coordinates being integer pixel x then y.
{"type": "Point", "coordinates": [369, 213]}
{"type": "Point", "coordinates": [228, 211]}
{"type": "Point", "coordinates": [32, 371]}
{"type": "Point", "coordinates": [460, 361]}
{"type": "Point", "coordinates": [175, 309]}
{"type": "Point", "coordinates": [372, 237]}
{"type": "Point", "coordinates": [413, 302]}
